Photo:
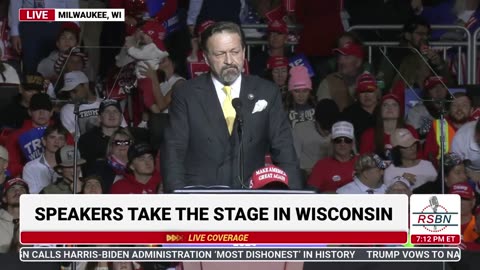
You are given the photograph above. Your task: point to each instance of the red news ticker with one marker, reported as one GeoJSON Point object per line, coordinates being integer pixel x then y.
{"type": "Point", "coordinates": [31, 237]}
{"type": "Point", "coordinates": [428, 239]}
{"type": "Point", "coordinates": [36, 14]}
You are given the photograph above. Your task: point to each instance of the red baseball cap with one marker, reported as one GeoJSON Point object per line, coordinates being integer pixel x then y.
{"type": "Point", "coordinates": [156, 31]}
{"type": "Point", "coordinates": [266, 175]}
{"type": "Point", "coordinates": [366, 83]}
{"type": "Point", "coordinates": [70, 26]}
{"type": "Point", "coordinates": [391, 96]}
{"type": "Point", "coordinates": [351, 48]}
{"type": "Point", "coordinates": [277, 61]}
{"type": "Point", "coordinates": [12, 182]}
{"type": "Point", "coordinates": [464, 190]}
{"type": "Point", "coordinates": [277, 26]}
{"type": "Point", "coordinates": [203, 26]}
{"type": "Point", "coordinates": [433, 81]}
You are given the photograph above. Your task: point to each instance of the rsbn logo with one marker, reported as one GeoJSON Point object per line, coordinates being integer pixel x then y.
{"type": "Point", "coordinates": [434, 217]}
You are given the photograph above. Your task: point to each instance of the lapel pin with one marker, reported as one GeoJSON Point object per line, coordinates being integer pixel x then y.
{"type": "Point", "coordinates": [250, 96]}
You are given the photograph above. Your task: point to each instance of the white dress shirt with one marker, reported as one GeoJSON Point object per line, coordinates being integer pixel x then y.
{"type": "Point", "coordinates": [357, 187]}
{"type": "Point", "coordinates": [38, 174]}
{"type": "Point", "coordinates": [235, 89]}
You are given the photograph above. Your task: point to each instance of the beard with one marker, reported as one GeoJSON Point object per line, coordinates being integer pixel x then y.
{"type": "Point", "coordinates": [460, 120]}
{"type": "Point", "coordinates": [228, 74]}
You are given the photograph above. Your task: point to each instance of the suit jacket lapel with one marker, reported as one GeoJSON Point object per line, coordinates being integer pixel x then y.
{"type": "Point", "coordinates": [213, 110]}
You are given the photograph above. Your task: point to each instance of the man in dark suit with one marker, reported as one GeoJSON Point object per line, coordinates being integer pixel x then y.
{"type": "Point", "coordinates": [202, 141]}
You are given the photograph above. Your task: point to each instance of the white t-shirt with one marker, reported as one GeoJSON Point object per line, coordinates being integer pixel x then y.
{"type": "Point", "coordinates": [424, 172]}
{"type": "Point", "coordinates": [309, 144]}
{"type": "Point", "coordinates": [87, 117]}
{"type": "Point", "coordinates": [166, 86]}
{"type": "Point", "coordinates": [464, 144]}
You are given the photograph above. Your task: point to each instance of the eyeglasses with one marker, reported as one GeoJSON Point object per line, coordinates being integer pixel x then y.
{"type": "Point", "coordinates": [122, 142]}
{"type": "Point", "coordinates": [342, 139]}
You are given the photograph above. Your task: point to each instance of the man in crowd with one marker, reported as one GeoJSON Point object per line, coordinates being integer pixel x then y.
{"type": "Point", "coordinates": [25, 144]}
{"type": "Point", "coordinates": [65, 168]}
{"type": "Point", "coordinates": [77, 85]}
{"type": "Point", "coordinates": [277, 39]}
{"type": "Point", "coordinates": [415, 37]}
{"type": "Point", "coordinates": [16, 113]}
{"type": "Point", "coordinates": [340, 85]}
{"type": "Point", "coordinates": [466, 144]}
{"type": "Point", "coordinates": [110, 118]}
{"type": "Point", "coordinates": [9, 214]}
{"type": "Point", "coordinates": [467, 219]}
{"type": "Point", "coordinates": [143, 179]}
{"type": "Point", "coordinates": [458, 115]}
{"type": "Point", "coordinates": [368, 176]}
{"type": "Point", "coordinates": [40, 172]}
{"type": "Point", "coordinates": [33, 41]}
{"type": "Point", "coordinates": [363, 114]}
{"type": "Point", "coordinates": [202, 140]}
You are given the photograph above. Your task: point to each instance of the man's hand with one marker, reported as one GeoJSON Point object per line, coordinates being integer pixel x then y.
{"type": "Point", "coordinates": [433, 57]}
{"type": "Point", "coordinates": [16, 43]}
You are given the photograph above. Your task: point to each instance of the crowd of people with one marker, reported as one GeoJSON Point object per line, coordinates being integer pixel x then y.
{"type": "Point", "coordinates": [147, 118]}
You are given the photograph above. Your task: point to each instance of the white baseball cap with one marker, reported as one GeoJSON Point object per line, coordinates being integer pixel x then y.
{"type": "Point", "coordinates": [342, 129]}
{"type": "Point", "coordinates": [72, 79]}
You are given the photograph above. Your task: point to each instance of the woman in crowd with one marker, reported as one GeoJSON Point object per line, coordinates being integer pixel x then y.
{"type": "Point", "coordinates": [377, 139]}
{"type": "Point", "coordinates": [113, 167]}
{"type": "Point", "coordinates": [334, 171]}
{"type": "Point", "coordinates": [300, 104]}
{"type": "Point", "coordinates": [406, 163]}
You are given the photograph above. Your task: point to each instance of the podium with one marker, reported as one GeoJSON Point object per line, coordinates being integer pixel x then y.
{"type": "Point", "coordinates": [240, 265]}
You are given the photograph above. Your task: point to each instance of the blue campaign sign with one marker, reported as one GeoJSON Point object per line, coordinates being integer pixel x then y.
{"type": "Point", "coordinates": [31, 143]}
{"type": "Point", "coordinates": [301, 60]}
{"type": "Point", "coordinates": [172, 24]}
{"type": "Point", "coordinates": [412, 97]}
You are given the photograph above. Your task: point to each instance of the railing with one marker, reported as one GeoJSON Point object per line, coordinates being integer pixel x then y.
{"type": "Point", "coordinates": [468, 45]}
{"type": "Point", "coordinates": [474, 55]}
{"type": "Point", "coordinates": [250, 42]}
{"type": "Point", "coordinates": [443, 45]}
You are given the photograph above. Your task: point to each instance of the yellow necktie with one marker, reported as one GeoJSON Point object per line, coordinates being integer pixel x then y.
{"type": "Point", "coordinates": [227, 107]}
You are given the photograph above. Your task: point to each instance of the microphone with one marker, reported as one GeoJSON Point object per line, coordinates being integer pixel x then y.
{"type": "Point", "coordinates": [237, 105]}
{"type": "Point", "coordinates": [434, 205]}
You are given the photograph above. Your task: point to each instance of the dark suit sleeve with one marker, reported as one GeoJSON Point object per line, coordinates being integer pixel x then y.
{"type": "Point", "coordinates": [281, 142]}
{"type": "Point", "coordinates": [176, 142]}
